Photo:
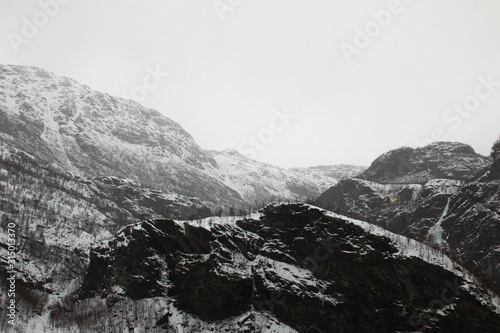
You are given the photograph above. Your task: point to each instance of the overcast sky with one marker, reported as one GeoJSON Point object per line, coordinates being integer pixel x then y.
{"type": "Point", "coordinates": [288, 82]}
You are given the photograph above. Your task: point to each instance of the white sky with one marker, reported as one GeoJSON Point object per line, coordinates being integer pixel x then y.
{"type": "Point", "coordinates": [227, 76]}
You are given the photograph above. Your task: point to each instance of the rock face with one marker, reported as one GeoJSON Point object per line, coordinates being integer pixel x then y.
{"type": "Point", "coordinates": [145, 202]}
{"type": "Point", "coordinates": [494, 172]}
{"type": "Point", "coordinates": [471, 229]}
{"type": "Point", "coordinates": [472, 224]}
{"type": "Point", "coordinates": [495, 154]}
{"type": "Point", "coordinates": [447, 160]}
{"type": "Point", "coordinates": [455, 214]}
{"type": "Point", "coordinates": [396, 207]}
{"type": "Point", "coordinates": [89, 133]}
{"type": "Point", "coordinates": [310, 270]}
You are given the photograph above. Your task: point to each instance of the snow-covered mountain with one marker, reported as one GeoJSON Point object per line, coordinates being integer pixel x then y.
{"type": "Point", "coordinates": [338, 171]}
{"type": "Point", "coordinates": [444, 194]}
{"type": "Point", "coordinates": [76, 165]}
{"type": "Point", "coordinates": [259, 183]}
{"type": "Point", "coordinates": [94, 134]}
{"type": "Point", "coordinates": [287, 268]}
{"type": "Point", "coordinates": [404, 180]}
{"type": "Point", "coordinates": [99, 189]}
{"type": "Point", "coordinates": [86, 132]}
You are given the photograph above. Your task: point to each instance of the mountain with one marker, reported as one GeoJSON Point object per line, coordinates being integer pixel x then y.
{"type": "Point", "coordinates": [439, 160]}
{"type": "Point", "coordinates": [458, 213]}
{"type": "Point", "coordinates": [494, 172]}
{"type": "Point", "coordinates": [97, 190]}
{"type": "Point", "coordinates": [259, 183]}
{"type": "Point", "coordinates": [406, 180]}
{"type": "Point", "coordinates": [287, 268]}
{"type": "Point", "coordinates": [76, 165]}
{"type": "Point", "coordinates": [93, 134]}
{"type": "Point", "coordinates": [471, 227]}
{"type": "Point", "coordinates": [338, 171]}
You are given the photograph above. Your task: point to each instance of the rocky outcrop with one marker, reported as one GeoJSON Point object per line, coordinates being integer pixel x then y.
{"type": "Point", "coordinates": [313, 271]}
{"type": "Point", "coordinates": [472, 230]}
{"type": "Point", "coordinates": [447, 160]}
{"type": "Point", "coordinates": [472, 225]}
{"type": "Point", "coordinates": [410, 209]}
{"type": "Point", "coordinates": [494, 172]}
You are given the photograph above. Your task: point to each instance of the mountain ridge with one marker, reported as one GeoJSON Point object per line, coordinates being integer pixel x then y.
{"type": "Point", "coordinates": [441, 159]}
{"type": "Point", "coordinates": [96, 134]}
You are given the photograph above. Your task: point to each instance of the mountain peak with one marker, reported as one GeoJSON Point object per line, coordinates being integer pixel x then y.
{"type": "Point", "coordinates": [231, 151]}
{"type": "Point", "coordinates": [299, 257]}
{"type": "Point", "coordinates": [451, 160]}
{"type": "Point", "coordinates": [449, 146]}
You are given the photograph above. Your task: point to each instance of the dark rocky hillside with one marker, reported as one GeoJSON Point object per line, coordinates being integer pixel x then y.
{"type": "Point", "coordinates": [459, 214]}
{"type": "Point", "coordinates": [472, 226]}
{"type": "Point", "coordinates": [446, 160]}
{"type": "Point", "coordinates": [311, 271]}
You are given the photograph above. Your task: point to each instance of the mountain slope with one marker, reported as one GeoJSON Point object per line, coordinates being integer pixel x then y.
{"type": "Point", "coordinates": [57, 216]}
{"type": "Point", "coordinates": [57, 119]}
{"type": "Point", "coordinates": [455, 214]}
{"type": "Point", "coordinates": [260, 183]}
{"type": "Point", "coordinates": [288, 267]}
{"type": "Point", "coordinates": [471, 226]}
{"type": "Point", "coordinates": [86, 132]}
